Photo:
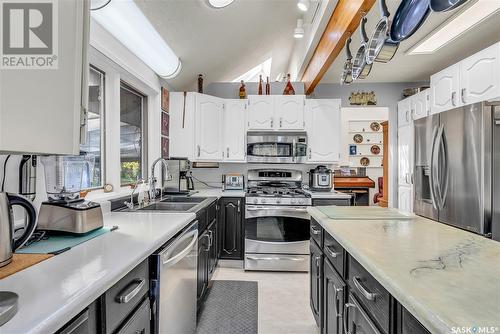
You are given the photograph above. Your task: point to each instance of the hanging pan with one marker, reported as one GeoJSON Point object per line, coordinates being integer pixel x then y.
{"type": "Point", "coordinates": [346, 78]}
{"type": "Point", "coordinates": [360, 68]}
{"type": "Point", "coordinates": [445, 5]}
{"type": "Point", "coordinates": [408, 18]}
{"type": "Point", "coordinates": [380, 47]}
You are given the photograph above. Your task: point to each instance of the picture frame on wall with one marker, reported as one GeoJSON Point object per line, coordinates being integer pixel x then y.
{"type": "Point", "coordinates": [164, 99]}
{"type": "Point", "coordinates": [165, 124]}
{"type": "Point", "coordinates": [164, 148]}
{"type": "Point", "coordinates": [353, 150]}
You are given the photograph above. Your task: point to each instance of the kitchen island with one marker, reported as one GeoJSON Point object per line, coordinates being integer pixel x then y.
{"type": "Point", "coordinates": [448, 279]}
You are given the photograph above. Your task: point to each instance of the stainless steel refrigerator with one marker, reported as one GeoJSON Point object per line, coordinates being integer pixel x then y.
{"type": "Point", "coordinates": [457, 168]}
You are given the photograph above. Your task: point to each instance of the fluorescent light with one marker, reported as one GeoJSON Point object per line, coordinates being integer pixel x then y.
{"type": "Point", "coordinates": [126, 22]}
{"type": "Point", "coordinates": [456, 26]}
{"type": "Point", "coordinates": [219, 3]}
{"type": "Point", "coordinates": [298, 32]}
{"type": "Point", "coordinates": [303, 5]}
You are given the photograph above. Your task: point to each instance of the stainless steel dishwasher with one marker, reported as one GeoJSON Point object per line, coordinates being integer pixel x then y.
{"type": "Point", "coordinates": [173, 284]}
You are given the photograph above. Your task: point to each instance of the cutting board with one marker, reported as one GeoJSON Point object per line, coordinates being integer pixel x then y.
{"type": "Point", "coordinates": [22, 261]}
{"type": "Point", "coordinates": [363, 213]}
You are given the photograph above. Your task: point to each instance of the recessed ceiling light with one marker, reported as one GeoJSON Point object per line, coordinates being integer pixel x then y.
{"type": "Point", "coordinates": [298, 32]}
{"type": "Point", "coordinates": [456, 26]}
{"type": "Point", "coordinates": [303, 5]}
{"type": "Point", "coordinates": [219, 3]}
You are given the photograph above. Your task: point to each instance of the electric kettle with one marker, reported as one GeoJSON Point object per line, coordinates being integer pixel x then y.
{"type": "Point", "coordinates": [7, 242]}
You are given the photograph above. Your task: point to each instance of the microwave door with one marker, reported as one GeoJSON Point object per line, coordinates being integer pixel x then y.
{"type": "Point", "coordinates": [461, 162]}
{"type": "Point", "coordinates": [425, 203]}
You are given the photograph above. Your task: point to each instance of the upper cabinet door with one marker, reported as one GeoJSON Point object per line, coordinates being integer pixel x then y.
{"type": "Point", "coordinates": [419, 104]}
{"type": "Point", "coordinates": [43, 110]}
{"type": "Point", "coordinates": [480, 76]}
{"type": "Point", "coordinates": [405, 152]}
{"type": "Point", "coordinates": [323, 130]}
{"type": "Point", "coordinates": [405, 199]}
{"type": "Point", "coordinates": [260, 115]}
{"type": "Point", "coordinates": [289, 111]}
{"type": "Point", "coordinates": [208, 134]}
{"type": "Point", "coordinates": [234, 130]}
{"type": "Point", "coordinates": [404, 112]}
{"type": "Point", "coordinates": [445, 89]}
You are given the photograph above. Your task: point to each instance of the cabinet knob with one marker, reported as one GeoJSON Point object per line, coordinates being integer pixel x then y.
{"type": "Point", "coordinates": [464, 95]}
{"type": "Point", "coordinates": [454, 98]}
{"type": "Point", "coordinates": [198, 149]}
{"type": "Point", "coordinates": [227, 152]}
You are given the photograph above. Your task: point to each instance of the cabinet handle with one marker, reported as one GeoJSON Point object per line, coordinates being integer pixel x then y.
{"type": "Point", "coordinates": [407, 116]}
{"type": "Point", "coordinates": [239, 205]}
{"type": "Point", "coordinates": [315, 231]}
{"type": "Point", "coordinates": [454, 98]}
{"type": "Point", "coordinates": [344, 322]}
{"type": "Point", "coordinates": [336, 299]}
{"type": "Point", "coordinates": [272, 122]}
{"type": "Point", "coordinates": [367, 294]}
{"type": "Point", "coordinates": [412, 114]}
{"type": "Point", "coordinates": [198, 149]}
{"type": "Point", "coordinates": [281, 122]}
{"type": "Point", "coordinates": [464, 94]}
{"type": "Point", "coordinates": [317, 259]}
{"type": "Point", "coordinates": [123, 299]}
{"type": "Point", "coordinates": [209, 242]}
{"type": "Point", "coordinates": [227, 152]}
{"type": "Point", "coordinates": [332, 253]}
{"type": "Point", "coordinates": [310, 153]}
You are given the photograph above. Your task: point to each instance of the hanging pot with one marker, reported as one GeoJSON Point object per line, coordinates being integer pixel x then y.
{"type": "Point", "coordinates": [346, 77]}
{"type": "Point", "coordinates": [410, 15]}
{"type": "Point", "coordinates": [360, 68]}
{"type": "Point", "coordinates": [445, 5]}
{"type": "Point", "coordinates": [380, 47]}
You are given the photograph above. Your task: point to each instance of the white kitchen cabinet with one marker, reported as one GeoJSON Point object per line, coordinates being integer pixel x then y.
{"type": "Point", "coordinates": [445, 86]}
{"type": "Point", "coordinates": [404, 112]}
{"type": "Point", "coordinates": [260, 112]}
{"type": "Point", "coordinates": [480, 76]}
{"type": "Point", "coordinates": [289, 112]}
{"type": "Point", "coordinates": [323, 130]}
{"type": "Point", "coordinates": [43, 111]}
{"type": "Point", "coordinates": [208, 128]}
{"type": "Point", "coordinates": [405, 155]}
{"type": "Point", "coordinates": [419, 104]}
{"type": "Point", "coordinates": [405, 199]}
{"type": "Point", "coordinates": [182, 124]}
{"type": "Point", "coordinates": [234, 130]}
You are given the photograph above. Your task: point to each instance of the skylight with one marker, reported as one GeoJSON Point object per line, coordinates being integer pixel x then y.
{"type": "Point", "coordinates": [252, 75]}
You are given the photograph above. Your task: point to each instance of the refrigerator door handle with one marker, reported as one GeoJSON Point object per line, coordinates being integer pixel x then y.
{"type": "Point", "coordinates": [446, 168]}
{"type": "Point", "coordinates": [433, 170]}
{"type": "Point", "coordinates": [438, 162]}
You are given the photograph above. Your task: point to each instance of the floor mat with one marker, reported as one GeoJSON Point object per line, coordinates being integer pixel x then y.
{"type": "Point", "coordinates": [231, 308]}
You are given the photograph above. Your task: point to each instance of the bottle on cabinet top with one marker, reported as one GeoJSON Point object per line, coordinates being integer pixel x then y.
{"type": "Point", "coordinates": [243, 93]}
{"type": "Point", "coordinates": [268, 87]}
{"type": "Point", "coordinates": [260, 85]}
{"type": "Point", "coordinates": [200, 83]}
{"type": "Point", "coordinates": [289, 87]}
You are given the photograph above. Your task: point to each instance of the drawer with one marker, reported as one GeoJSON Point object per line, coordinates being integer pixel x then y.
{"type": "Point", "coordinates": [327, 202]}
{"type": "Point", "coordinates": [125, 295]}
{"type": "Point", "coordinates": [211, 212]}
{"type": "Point", "coordinates": [334, 252]}
{"type": "Point", "coordinates": [83, 323]}
{"type": "Point", "coordinates": [316, 232]}
{"type": "Point", "coordinates": [139, 322]}
{"type": "Point", "coordinates": [356, 320]}
{"type": "Point", "coordinates": [371, 294]}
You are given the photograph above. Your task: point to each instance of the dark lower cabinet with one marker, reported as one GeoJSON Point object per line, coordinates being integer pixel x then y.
{"type": "Point", "coordinates": [357, 320]}
{"type": "Point", "coordinates": [409, 324]}
{"type": "Point", "coordinates": [316, 281]}
{"type": "Point", "coordinates": [213, 251]}
{"type": "Point", "coordinates": [331, 201]}
{"type": "Point", "coordinates": [203, 252]}
{"type": "Point", "coordinates": [334, 292]}
{"type": "Point", "coordinates": [84, 323]}
{"type": "Point", "coordinates": [139, 322]}
{"type": "Point", "coordinates": [231, 228]}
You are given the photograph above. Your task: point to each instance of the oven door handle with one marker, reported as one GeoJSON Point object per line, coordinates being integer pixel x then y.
{"type": "Point", "coordinates": [281, 208]}
{"type": "Point", "coordinates": [280, 257]}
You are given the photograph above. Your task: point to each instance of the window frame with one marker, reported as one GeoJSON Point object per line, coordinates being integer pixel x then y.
{"type": "Point", "coordinates": [144, 131]}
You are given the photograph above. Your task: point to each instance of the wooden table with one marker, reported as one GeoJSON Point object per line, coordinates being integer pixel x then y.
{"type": "Point", "coordinates": [358, 187]}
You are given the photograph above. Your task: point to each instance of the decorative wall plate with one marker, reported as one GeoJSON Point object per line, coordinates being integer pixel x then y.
{"type": "Point", "coordinates": [357, 138]}
{"type": "Point", "coordinates": [375, 149]}
{"type": "Point", "coordinates": [375, 126]}
{"type": "Point", "coordinates": [365, 162]}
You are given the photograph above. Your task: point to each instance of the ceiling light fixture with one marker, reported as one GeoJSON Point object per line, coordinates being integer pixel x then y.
{"type": "Point", "coordinates": [456, 26]}
{"type": "Point", "coordinates": [303, 5]}
{"type": "Point", "coordinates": [219, 3]}
{"type": "Point", "coordinates": [298, 32]}
{"type": "Point", "coordinates": [126, 22]}
{"type": "Point", "coordinates": [98, 4]}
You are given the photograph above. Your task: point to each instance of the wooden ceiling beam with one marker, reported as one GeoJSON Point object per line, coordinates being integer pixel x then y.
{"type": "Point", "coordinates": [343, 22]}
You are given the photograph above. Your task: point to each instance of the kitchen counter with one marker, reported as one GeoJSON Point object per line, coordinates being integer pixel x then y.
{"type": "Point", "coordinates": [333, 194]}
{"type": "Point", "coordinates": [444, 276]}
{"type": "Point", "coordinates": [218, 192]}
{"type": "Point", "coordinates": [55, 290]}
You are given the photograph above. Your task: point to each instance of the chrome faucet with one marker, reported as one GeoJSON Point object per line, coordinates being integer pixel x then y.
{"type": "Point", "coordinates": [152, 189]}
{"type": "Point", "coordinates": [130, 204]}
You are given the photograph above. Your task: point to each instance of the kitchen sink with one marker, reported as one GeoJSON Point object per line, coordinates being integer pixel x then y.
{"type": "Point", "coordinates": [173, 204]}
{"type": "Point", "coordinates": [166, 206]}
{"type": "Point", "coordinates": [183, 199]}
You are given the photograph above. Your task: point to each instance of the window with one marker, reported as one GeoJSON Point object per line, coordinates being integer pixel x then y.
{"type": "Point", "coordinates": [94, 145]}
{"type": "Point", "coordinates": [132, 133]}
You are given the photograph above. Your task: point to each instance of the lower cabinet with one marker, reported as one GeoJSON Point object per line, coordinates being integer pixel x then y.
{"type": "Point", "coordinates": [316, 281]}
{"type": "Point", "coordinates": [334, 292]}
{"type": "Point", "coordinates": [357, 320]}
{"type": "Point", "coordinates": [409, 325]}
{"type": "Point", "coordinates": [331, 201]}
{"type": "Point", "coordinates": [139, 323]}
{"type": "Point", "coordinates": [231, 228]}
{"type": "Point", "coordinates": [84, 323]}
{"type": "Point", "coordinates": [202, 280]}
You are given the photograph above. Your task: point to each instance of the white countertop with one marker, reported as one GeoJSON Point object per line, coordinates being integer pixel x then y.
{"type": "Point", "coordinates": [333, 194]}
{"type": "Point", "coordinates": [55, 290]}
{"type": "Point", "coordinates": [444, 276]}
{"type": "Point", "coordinates": [218, 192]}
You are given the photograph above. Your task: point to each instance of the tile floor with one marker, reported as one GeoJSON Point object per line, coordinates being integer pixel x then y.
{"type": "Point", "coordinates": [283, 299]}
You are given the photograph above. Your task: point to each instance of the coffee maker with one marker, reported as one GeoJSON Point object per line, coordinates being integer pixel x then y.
{"type": "Point", "coordinates": [180, 180]}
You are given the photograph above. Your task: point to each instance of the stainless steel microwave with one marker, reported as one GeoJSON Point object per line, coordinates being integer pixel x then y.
{"type": "Point", "coordinates": [277, 147]}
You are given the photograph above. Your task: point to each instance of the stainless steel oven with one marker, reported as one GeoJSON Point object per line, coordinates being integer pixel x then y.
{"type": "Point", "coordinates": [273, 147]}
{"type": "Point", "coordinates": [276, 238]}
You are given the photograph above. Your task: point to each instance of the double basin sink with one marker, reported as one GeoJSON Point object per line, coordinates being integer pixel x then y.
{"type": "Point", "coordinates": [176, 204]}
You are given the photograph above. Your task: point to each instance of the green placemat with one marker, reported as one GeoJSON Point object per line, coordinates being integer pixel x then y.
{"type": "Point", "coordinates": [363, 213]}
{"type": "Point", "coordinates": [60, 243]}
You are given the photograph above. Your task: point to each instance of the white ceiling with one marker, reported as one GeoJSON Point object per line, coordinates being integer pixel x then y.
{"type": "Point", "coordinates": [224, 43]}
{"type": "Point", "coordinates": [413, 68]}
